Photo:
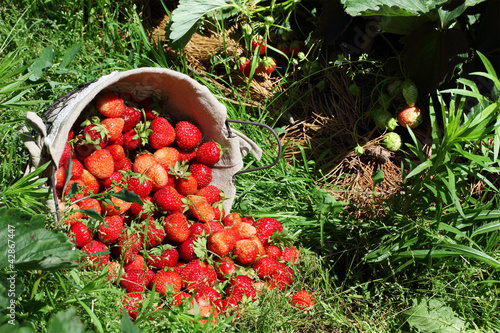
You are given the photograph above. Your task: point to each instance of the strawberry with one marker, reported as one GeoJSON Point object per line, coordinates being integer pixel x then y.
{"type": "Point", "coordinates": [136, 280]}
{"type": "Point", "coordinates": [111, 229]}
{"type": "Point", "coordinates": [208, 296]}
{"type": "Point", "coordinates": [67, 152]}
{"type": "Point", "coordinates": [291, 255]}
{"type": "Point", "coordinates": [186, 249]}
{"type": "Point", "coordinates": [100, 164]}
{"type": "Point", "coordinates": [114, 127]}
{"type": "Point", "coordinates": [80, 234]}
{"type": "Point", "coordinates": [186, 185]}
{"type": "Point", "coordinates": [209, 153]}
{"type": "Point", "coordinates": [296, 47]}
{"type": "Point", "coordinates": [273, 252]}
{"type": "Point", "coordinates": [131, 140]}
{"type": "Point", "coordinates": [245, 67]}
{"type": "Point", "coordinates": [152, 233]}
{"type": "Point", "coordinates": [180, 297]}
{"type": "Point", "coordinates": [281, 279]}
{"type": "Point", "coordinates": [187, 156]}
{"type": "Point", "coordinates": [259, 43]}
{"type": "Point", "coordinates": [241, 286]}
{"type": "Point", "coordinates": [163, 134]}
{"type": "Point", "coordinates": [150, 105]}
{"type": "Point", "coordinates": [97, 253]}
{"type": "Point", "coordinates": [222, 242]}
{"type": "Point", "coordinates": [132, 303]}
{"type": "Point", "coordinates": [187, 135]}
{"type": "Point", "coordinates": [163, 256]}
{"type": "Point", "coordinates": [231, 219]}
{"type": "Point", "coordinates": [110, 105]}
{"type": "Point", "coordinates": [219, 211]}
{"type": "Point", "coordinates": [138, 183]}
{"type": "Point", "coordinates": [167, 157]}
{"type": "Point", "coordinates": [131, 118]}
{"type": "Point", "coordinates": [302, 299]}
{"type": "Point", "coordinates": [266, 227]}
{"type": "Point", "coordinates": [202, 173]}
{"type": "Point", "coordinates": [198, 274]}
{"type": "Point", "coordinates": [95, 135]}
{"type": "Point", "coordinates": [76, 169]}
{"type": "Point", "coordinates": [90, 203]}
{"type": "Point", "coordinates": [176, 227]}
{"type": "Point", "coordinates": [138, 263]}
{"type": "Point", "coordinates": [117, 206]}
{"type": "Point", "coordinates": [143, 162]}
{"type": "Point", "coordinates": [283, 47]}
{"type": "Point", "coordinates": [265, 267]}
{"type": "Point", "coordinates": [168, 200]}
{"type": "Point", "coordinates": [116, 179]}
{"type": "Point", "coordinates": [118, 154]}
{"type": "Point", "coordinates": [244, 230]}
{"type": "Point", "coordinates": [256, 240]}
{"type": "Point", "coordinates": [158, 175]}
{"type": "Point", "coordinates": [81, 192]}
{"type": "Point", "coordinates": [410, 116]}
{"type": "Point", "coordinates": [60, 177]}
{"type": "Point", "coordinates": [70, 216]}
{"type": "Point", "coordinates": [164, 279]}
{"type": "Point", "coordinates": [246, 252]}
{"type": "Point", "coordinates": [224, 267]}
{"type": "Point", "coordinates": [199, 208]}
{"type": "Point", "coordinates": [113, 271]}
{"type": "Point", "coordinates": [410, 92]}
{"type": "Point", "coordinates": [129, 244]}
{"type": "Point", "coordinates": [392, 141]}
{"type": "Point", "coordinates": [145, 210]}
{"type": "Point", "coordinates": [212, 227]}
{"type": "Point", "coordinates": [267, 65]}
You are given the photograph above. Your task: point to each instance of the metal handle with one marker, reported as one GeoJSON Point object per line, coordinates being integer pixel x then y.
{"type": "Point", "coordinates": [280, 149]}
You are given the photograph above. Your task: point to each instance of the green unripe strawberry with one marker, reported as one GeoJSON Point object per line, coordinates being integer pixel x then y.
{"type": "Point", "coordinates": [384, 101]}
{"type": "Point", "coordinates": [410, 92]}
{"type": "Point", "coordinates": [392, 141]}
{"type": "Point", "coordinates": [384, 120]}
{"type": "Point", "coordinates": [358, 150]}
{"type": "Point", "coordinates": [394, 88]}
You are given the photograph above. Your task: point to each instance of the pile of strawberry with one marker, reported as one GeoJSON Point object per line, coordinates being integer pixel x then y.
{"type": "Point", "coordinates": [136, 196]}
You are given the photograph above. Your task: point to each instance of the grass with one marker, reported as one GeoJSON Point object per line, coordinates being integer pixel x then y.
{"type": "Point", "coordinates": [438, 242]}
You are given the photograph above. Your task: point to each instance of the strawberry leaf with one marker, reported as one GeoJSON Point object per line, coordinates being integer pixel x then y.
{"type": "Point", "coordinates": [128, 196]}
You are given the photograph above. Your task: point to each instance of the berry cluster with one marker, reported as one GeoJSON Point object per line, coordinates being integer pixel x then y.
{"type": "Point", "coordinates": [137, 198]}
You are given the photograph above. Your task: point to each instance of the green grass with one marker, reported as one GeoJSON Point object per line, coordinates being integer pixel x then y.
{"type": "Point", "coordinates": [439, 241]}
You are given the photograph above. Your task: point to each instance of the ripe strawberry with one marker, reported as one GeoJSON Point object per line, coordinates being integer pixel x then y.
{"type": "Point", "coordinates": [180, 297]}
{"type": "Point", "coordinates": [138, 183]}
{"type": "Point", "coordinates": [71, 215]}
{"type": "Point", "coordinates": [198, 274]}
{"type": "Point", "coordinates": [222, 242]}
{"type": "Point", "coordinates": [136, 280]}
{"type": "Point", "coordinates": [110, 105]}
{"type": "Point", "coordinates": [224, 267]}
{"type": "Point", "coordinates": [202, 173]}
{"type": "Point", "coordinates": [246, 252]}
{"type": "Point", "coordinates": [244, 230]}
{"type": "Point", "coordinates": [129, 244]}
{"type": "Point", "coordinates": [143, 162]}
{"type": "Point", "coordinates": [80, 234]}
{"type": "Point", "coordinates": [209, 153]}
{"type": "Point", "coordinates": [81, 191]}
{"type": "Point", "coordinates": [410, 116]}
{"type": "Point", "coordinates": [208, 296]}
{"type": "Point", "coordinates": [116, 179]}
{"type": "Point", "coordinates": [90, 203]}
{"type": "Point", "coordinates": [267, 65]}
{"type": "Point", "coordinates": [113, 271]}
{"type": "Point", "coordinates": [296, 47]}
{"type": "Point", "coordinates": [259, 43]}
{"type": "Point", "coordinates": [97, 253]}
{"type": "Point", "coordinates": [111, 229]}
{"type": "Point", "coordinates": [266, 227]}
{"type": "Point", "coordinates": [241, 286]}
{"type": "Point", "coordinates": [163, 256]}
{"type": "Point", "coordinates": [265, 267]}
{"type": "Point", "coordinates": [163, 134]}
{"type": "Point", "coordinates": [281, 279]}
{"type": "Point", "coordinates": [114, 127]}
{"type": "Point", "coordinates": [256, 240]}
{"type": "Point", "coordinates": [176, 227]}
{"type": "Point", "coordinates": [199, 208]}
{"type": "Point", "coordinates": [150, 105]}
{"type": "Point", "coordinates": [76, 169]}
{"type": "Point", "coordinates": [186, 249]}
{"type": "Point", "coordinates": [131, 118]}
{"type": "Point", "coordinates": [187, 135]}
{"type": "Point", "coordinates": [187, 156]}
{"type": "Point", "coordinates": [131, 140]}
{"type": "Point", "coordinates": [132, 304]}
{"type": "Point", "coordinates": [283, 47]}
{"type": "Point", "coordinates": [291, 255]}
{"type": "Point", "coordinates": [152, 233]}
{"type": "Point", "coordinates": [245, 67]}
{"type": "Point", "coordinates": [100, 164]}
{"type": "Point", "coordinates": [138, 263]}
{"type": "Point", "coordinates": [95, 135]}
{"type": "Point", "coordinates": [158, 175]}
{"type": "Point", "coordinates": [273, 252]}
{"type": "Point", "coordinates": [410, 92]}
{"type": "Point", "coordinates": [147, 209]}
{"type": "Point", "coordinates": [302, 299]}
{"type": "Point", "coordinates": [67, 152]}
{"type": "Point", "coordinates": [168, 200]}
{"type": "Point", "coordinates": [60, 177]}
{"type": "Point", "coordinates": [186, 185]}
{"type": "Point", "coordinates": [167, 157]}
{"type": "Point", "coordinates": [117, 206]}
{"type": "Point", "coordinates": [212, 227]}
{"type": "Point", "coordinates": [164, 279]}
{"type": "Point", "coordinates": [118, 154]}
{"type": "Point", "coordinates": [231, 219]}
{"type": "Point", "coordinates": [219, 211]}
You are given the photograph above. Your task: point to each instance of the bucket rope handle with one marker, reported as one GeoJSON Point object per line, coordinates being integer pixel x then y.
{"type": "Point", "coordinates": [270, 129]}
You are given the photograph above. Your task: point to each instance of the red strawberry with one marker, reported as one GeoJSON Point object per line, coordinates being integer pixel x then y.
{"type": "Point", "coordinates": [176, 227]}
{"type": "Point", "coordinates": [245, 67]}
{"type": "Point", "coordinates": [114, 127]}
{"type": "Point", "coordinates": [291, 255]}
{"type": "Point", "coordinates": [244, 230]}
{"type": "Point", "coordinates": [208, 296]}
{"type": "Point", "coordinates": [168, 200]}
{"type": "Point", "coordinates": [118, 154]}
{"type": "Point", "coordinates": [212, 227]}
{"type": "Point", "coordinates": [96, 135]}
{"type": "Point", "coordinates": [90, 203]}
{"type": "Point", "coordinates": [100, 164]}
{"type": "Point", "coordinates": [129, 244]}
{"type": "Point", "coordinates": [167, 157]}
{"type": "Point", "coordinates": [136, 280]}
{"type": "Point", "coordinates": [187, 135]}
{"type": "Point", "coordinates": [187, 156]}
{"type": "Point", "coordinates": [224, 267]}
{"type": "Point", "coordinates": [273, 252]}
{"type": "Point", "coordinates": [267, 65]}
{"type": "Point", "coordinates": [113, 271]}
{"type": "Point", "coordinates": [131, 140]}
{"type": "Point", "coordinates": [266, 227]}
{"type": "Point", "coordinates": [116, 179]}
{"type": "Point", "coordinates": [147, 209]}
{"type": "Point", "coordinates": [97, 253]}
{"type": "Point", "coordinates": [163, 256]}
{"type": "Point", "coordinates": [246, 252]}
{"type": "Point", "coordinates": [199, 208]}
{"type": "Point", "coordinates": [180, 297]}
{"type": "Point", "coordinates": [198, 274]}
{"type": "Point", "coordinates": [82, 189]}
{"type": "Point", "coordinates": [302, 299]}
{"type": "Point", "coordinates": [71, 216]}
{"type": "Point", "coordinates": [231, 219]}
{"type": "Point", "coordinates": [202, 173]}
{"type": "Point", "coordinates": [209, 153]}
{"type": "Point", "coordinates": [410, 116]}
{"type": "Point", "coordinates": [131, 118]}
{"type": "Point", "coordinates": [132, 303]}
{"type": "Point", "coordinates": [111, 229]}
{"type": "Point", "coordinates": [266, 267]}
{"type": "Point", "coordinates": [283, 47]}
{"type": "Point", "coordinates": [212, 193]}
{"type": "Point", "coordinates": [137, 264]}
{"type": "Point", "coordinates": [150, 105]}
{"type": "Point", "coordinates": [117, 206]}
{"type": "Point", "coordinates": [241, 286]}
{"type": "Point", "coordinates": [256, 240]}
{"type": "Point", "coordinates": [164, 280]}
{"type": "Point", "coordinates": [259, 43]}
{"type": "Point", "coordinates": [67, 152]}
{"type": "Point", "coordinates": [163, 134]}
{"type": "Point", "coordinates": [186, 249]}
{"type": "Point", "coordinates": [186, 185]}
{"type": "Point", "coordinates": [140, 184]}
{"type": "Point", "coordinates": [296, 47]}
{"type": "Point", "coordinates": [143, 162]}
{"type": "Point", "coordinates": [281, 279]}
{"type": "Point", "coordinates": [152, 233]}
{"type": "Point", "coordinates": [219, 211]}
{"type": "Point", "coordinates": [80, 234]}
{"type": "Point", "coordinates": [110, 105]}
{"type": "Point", "coordinates": [222, 242]}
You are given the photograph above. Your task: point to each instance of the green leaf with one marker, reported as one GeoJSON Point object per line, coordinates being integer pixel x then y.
{"type": "Point", "coordinates": [68, 56]}
{"type": "Point", "coordinates": [433, 315]}
{"type": "Point", "coordinates": [472, 253]}
{"type": "Point", "coordinates": [390, 7]}
{"type": "Point", "coordinates": [65, 321]}
{"type": "Point", "coordinates": [41, 63]}
{"type": "Point", "coordinates": [486, 228]}
{"type": "Point", "coordinates": [34, 247]}
{"type": "Point", "coordinates": [129, 196]}
{"type": "Point", "coordinates": [127, 325]}
{"type": "Point", "coordinates": [378, 177]}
